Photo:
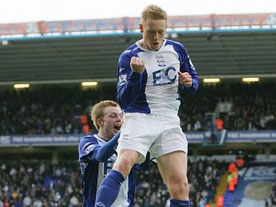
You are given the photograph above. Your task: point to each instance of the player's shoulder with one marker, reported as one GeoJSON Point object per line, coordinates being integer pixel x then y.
{"type": "Point", "coordinates": [131, 50]}
{"type": "Point", "coordinates": [175, 44]}
{"type": "Point", "coordinates": [178, 47]}
{"type": "Point", "coordinates": [88, 139]}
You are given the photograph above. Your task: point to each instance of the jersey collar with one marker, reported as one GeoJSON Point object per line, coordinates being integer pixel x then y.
{"type": "Point", "coordinates": [100, 139]}
{"type": "Point", "coordinates": [144, 49]}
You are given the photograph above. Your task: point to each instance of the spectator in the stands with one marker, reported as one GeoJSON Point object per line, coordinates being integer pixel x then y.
{"type": "Point", "coordinates": [37, 115]}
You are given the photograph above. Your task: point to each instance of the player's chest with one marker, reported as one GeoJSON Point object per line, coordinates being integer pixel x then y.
{"type": "Point", "coordinates": [161, 68]}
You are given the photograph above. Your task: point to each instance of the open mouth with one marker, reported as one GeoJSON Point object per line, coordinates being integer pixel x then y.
{"type": "Point", "coordinates": [117, 127]}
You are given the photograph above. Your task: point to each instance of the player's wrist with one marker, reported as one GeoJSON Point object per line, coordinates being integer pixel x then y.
{"type": "Point", "coordinates": [136, 73]}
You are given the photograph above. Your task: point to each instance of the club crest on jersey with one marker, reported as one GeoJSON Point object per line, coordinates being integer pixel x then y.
{"type": "Point", "coordinates": [160, 61]}
{"type": "Point", "coordinates": [164, 76]}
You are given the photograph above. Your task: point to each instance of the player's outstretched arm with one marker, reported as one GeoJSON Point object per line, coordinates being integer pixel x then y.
{"type": "Point", "coordinates": [89, 149]}
{"type": "Point", "coordinates": [108, 149]}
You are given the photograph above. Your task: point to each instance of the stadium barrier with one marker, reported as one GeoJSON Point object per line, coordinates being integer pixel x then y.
{"type": "Point", "coordinates": [193, 137]}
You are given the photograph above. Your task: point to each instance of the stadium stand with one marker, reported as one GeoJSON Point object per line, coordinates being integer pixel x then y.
{"type": "Point", "coordinates": [38, 115]}
{"type": "Point", "coordinates": [40, 183]}
{"type": "Point", "coordinates": [68, 51]}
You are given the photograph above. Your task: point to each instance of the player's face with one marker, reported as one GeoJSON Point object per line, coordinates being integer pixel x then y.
{"type": "Point", "coordinates": [111, 122]}
{"type": "Point", "coordinates": [153, 33]}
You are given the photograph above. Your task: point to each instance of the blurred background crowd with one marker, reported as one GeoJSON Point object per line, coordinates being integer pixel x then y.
{"type": "Point", "coordinates": [55, 109]}
{"type": "Point", "coordinates": [40, 183]}
{"type": "Point", "coordinates": [66, 110]}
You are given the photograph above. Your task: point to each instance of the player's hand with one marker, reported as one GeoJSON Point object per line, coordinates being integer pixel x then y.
{"type": "Point", "coordinates": [185, 79]}
{"type": "Point", "coordinates": [137, 65]}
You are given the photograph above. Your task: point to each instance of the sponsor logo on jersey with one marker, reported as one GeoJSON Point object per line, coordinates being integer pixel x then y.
{"type": "Point", "coordinates": [164, 76]}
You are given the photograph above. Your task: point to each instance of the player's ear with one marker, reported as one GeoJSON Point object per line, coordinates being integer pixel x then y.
{"type": "Point", "coordinates": [141, 28]}
{"type": "Point", "coordinates": [99, 122]}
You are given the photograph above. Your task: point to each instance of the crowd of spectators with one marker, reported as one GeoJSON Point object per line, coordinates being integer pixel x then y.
{"type": "Point", "coordinates": [253, 106]}
{"type": "Point", "coordinates": [56, 109]}
{"type": "Point", "coordinates": [203, 177]}
{"type": "Point", "coordinates": [48, 109]}
{"type": "Point", "coordinates": [39, 183]}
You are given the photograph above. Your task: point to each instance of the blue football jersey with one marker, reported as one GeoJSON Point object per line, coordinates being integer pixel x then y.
{"type": "Point", "coordinates": [93, 172]}
{"type": "Point", "coordinates": [156, 90]}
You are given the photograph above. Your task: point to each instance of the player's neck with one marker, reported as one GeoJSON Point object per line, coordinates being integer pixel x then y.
{"type": "Point", "coordinates": [144, 45]}
{"type": "Point", "coordinates": [103, 136]}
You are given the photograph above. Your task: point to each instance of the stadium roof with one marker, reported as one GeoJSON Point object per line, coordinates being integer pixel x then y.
{"type": "Point", "coordinates": [216, 52]}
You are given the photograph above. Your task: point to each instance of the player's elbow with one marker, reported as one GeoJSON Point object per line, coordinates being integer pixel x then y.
{"type": "Point", "coordinates": [124, 102]}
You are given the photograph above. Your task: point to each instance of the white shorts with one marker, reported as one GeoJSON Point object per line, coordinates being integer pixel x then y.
{"type": "Point", "coordinates": [158, 134]}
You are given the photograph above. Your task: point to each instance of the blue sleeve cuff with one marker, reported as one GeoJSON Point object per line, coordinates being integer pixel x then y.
{"type": "Point", "coordinates": [191, 90]}
{"type": "Point", "coordinates": [134, 76]}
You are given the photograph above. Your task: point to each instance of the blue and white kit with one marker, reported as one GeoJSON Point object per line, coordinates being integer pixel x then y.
{"type": "Point", "coordinates": [152, 98]}
{"type": "Point", "coordinates": [93, 172]}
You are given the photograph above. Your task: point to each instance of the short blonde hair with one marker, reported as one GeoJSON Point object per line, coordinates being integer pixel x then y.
{"type": "Point", "coordinates": [153, 12]}
{"type": "Point", "coordinates": [97, 111]}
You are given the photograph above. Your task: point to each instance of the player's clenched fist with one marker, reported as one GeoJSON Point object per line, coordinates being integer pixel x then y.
{"type": "Point", "coordinates": [185, 79]}
{"type": "Point", "coordinates": [137, 65]}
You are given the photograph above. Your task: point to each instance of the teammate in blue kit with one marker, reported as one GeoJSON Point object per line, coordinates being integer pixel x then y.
{"type": "Point", "coordinates": [149, 74]}
{"type": "Point", "coordinates": [96, 155]}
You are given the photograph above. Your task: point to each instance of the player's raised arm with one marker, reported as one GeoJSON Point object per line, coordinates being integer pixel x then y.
{"type": "Point", "coordinates": [137, 65]}
{"type": "Point", "coordinates": [189, 82]}
{"type": "Point", "coordinates": [129, 79]}
{"type": "Point", "coordinates": [187, 76]}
